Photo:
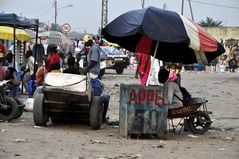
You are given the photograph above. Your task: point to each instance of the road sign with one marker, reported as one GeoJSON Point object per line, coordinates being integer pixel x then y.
{"type": "Point", "coordinates": [65, 28]}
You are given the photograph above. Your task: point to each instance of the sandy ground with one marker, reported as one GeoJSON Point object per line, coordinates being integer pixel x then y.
{"type": "Point", "coordinates": [20, 139]}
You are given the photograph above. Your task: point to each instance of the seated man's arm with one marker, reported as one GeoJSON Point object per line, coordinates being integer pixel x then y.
{"type": "Point", "coordinates": [172, 89]}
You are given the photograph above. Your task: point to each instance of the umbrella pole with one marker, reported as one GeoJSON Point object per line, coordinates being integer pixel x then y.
{"type": "Point", "coordinates": [155, 51]}
{"type": "Point", "coordinates": [35, 52]}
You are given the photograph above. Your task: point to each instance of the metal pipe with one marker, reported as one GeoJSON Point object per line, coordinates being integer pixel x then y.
{"type": "Point", "coordinates": [35, 51]}
{"type": "Point", "coordinates": [55, 5]}
{"type": "Point", "coordinates": [14, 49]}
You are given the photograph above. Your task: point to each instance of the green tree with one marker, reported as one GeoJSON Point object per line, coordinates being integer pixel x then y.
{"type": "Point", "coordinates": [209, 22]}
{"type": "Point", "coordinates": [58, 27]}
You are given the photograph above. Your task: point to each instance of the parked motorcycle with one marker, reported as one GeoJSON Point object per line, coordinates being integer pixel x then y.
{"type": "Point", "coordinates": [8, 106]}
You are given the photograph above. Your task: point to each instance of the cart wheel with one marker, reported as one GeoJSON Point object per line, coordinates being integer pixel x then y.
{"type": "Point", "coordinates": [9, 108]}
{"type": "Point", "coordinates": [199, 122]}
{"type": "Point", "coordinates": [95, 113]}
{"type": "Point", "coordinates": [39, 116]}
{"type": "Point", "coordinates": [102, 72]}
{"type": "Point", "coordinates": [104, 107]}
{"type": "Point", "coordinates": [119, 70]}
{"type": "Point", "coordinates": [20, 109]}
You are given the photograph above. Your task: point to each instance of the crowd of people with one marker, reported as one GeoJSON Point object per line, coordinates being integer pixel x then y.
{"type": "Point", "coordinates": [75, 64]}
{"type": "Point", "coordinates": [35, 69]}
{"type": "Point", "coordinates": [169, 73]}
{"type": "Point", "coordinates": [229, 61]}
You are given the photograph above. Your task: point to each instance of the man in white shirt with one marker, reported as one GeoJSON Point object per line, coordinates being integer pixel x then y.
{"type": "Point", "coordinates": [29, 71]}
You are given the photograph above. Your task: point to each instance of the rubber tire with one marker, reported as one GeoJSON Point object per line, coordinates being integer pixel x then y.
{"type": "Point", "coordinates": [205, 125]}
{"type": "Point", "coordinates": [39, 116]}
{"type": "Point", "coordinates": [11, 112]}
{"type": "Point", "coordinates": [119, 70]}
{"type": "Point", "coordinates": [104, 110]}
{"type": "Point", "coordinates": [20, 109]}
{"type": "Point", "coordinates": [95, 113]}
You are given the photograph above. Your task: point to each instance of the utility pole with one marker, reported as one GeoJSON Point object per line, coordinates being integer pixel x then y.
{"type": "Point", "coordinates": [190, 6]}
{"type": "Point", "coordinates": [55, 5]}
{"type": "Point", "coordinates": [104, 14]}
{"type": "Point", "coordinates": [164, 6]}
{"type": "Point", "coordinates": [191, 10]}
{"type": "Point", "coordinates": [182, 6]}
{"type": "Point", "coordinates": [143, 3]}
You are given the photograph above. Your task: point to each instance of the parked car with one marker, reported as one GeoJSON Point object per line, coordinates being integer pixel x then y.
{"type": "Point", "coordinates": [113, 58]}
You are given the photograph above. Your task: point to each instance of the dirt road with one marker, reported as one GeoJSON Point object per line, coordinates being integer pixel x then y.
{"type": "Point", "coordinates": [19, 139]}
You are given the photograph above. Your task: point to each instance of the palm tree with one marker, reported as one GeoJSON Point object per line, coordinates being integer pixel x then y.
{"type": "Point", "coordinates": [209, 22]}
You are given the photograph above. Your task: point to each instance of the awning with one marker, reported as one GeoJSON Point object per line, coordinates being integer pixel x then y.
{"type": "Point", "coordinates": [7, 33]}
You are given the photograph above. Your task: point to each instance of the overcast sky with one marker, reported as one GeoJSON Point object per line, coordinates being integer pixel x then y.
{"type": "Point", "coordinates": [85, 15]}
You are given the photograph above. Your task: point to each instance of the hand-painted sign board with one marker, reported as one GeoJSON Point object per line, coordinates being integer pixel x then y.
{"type": "Point", "coordinates": [143, 110]}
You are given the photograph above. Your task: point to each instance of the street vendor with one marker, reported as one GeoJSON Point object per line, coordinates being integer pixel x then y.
{"type": "Point", "coordinates": [93, 67]}
{"type": "Point", "coordinates": [93, 57]}
{"type": "Point", "coordinates": [173, 93]}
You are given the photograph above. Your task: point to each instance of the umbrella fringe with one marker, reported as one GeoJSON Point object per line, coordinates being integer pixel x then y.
{"type": "Point", "coordinates": [201, 57]}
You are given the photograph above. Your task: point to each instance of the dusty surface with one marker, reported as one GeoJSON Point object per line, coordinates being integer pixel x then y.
{"type": "Point", "coordinates": [20, 139]}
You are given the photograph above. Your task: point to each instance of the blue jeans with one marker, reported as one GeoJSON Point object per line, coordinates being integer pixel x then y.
{"type": "Point", "coordinates": [96, 87]}
{"type": "Point", "coordinates": [104, 101]}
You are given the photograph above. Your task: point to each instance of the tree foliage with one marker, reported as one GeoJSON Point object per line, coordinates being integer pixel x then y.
{"type": "Point", "coordinates": [55, 28]}
{"type": "Point", "coordinates": [209, 22]}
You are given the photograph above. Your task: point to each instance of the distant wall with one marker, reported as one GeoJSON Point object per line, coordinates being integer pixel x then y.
{"type": "Point", "coordinates": [223, 32]}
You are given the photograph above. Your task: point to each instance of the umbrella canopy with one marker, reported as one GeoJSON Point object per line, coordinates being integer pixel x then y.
{"type": "Point", "coordinates": [55, 37]}
{"type": "Point", "coordinates": [7, 33]}
{"type": "Point", "coordinates": [172, 37]}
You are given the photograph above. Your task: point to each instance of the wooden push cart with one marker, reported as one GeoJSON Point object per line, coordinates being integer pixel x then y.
{"type": "Point", "coordinates": [67, 96]}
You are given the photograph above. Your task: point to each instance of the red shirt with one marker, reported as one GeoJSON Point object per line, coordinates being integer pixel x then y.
{"type": "Point", "coordinates": [40, 75]}
{"type": "Point", "coordinates": [3, 49]}
{"type": "Point", "coordinates": [3, 70]}
{"type": "Point", "coordinates": [143, 66]}
{"type": "Point", "coordinates": [53, 58]}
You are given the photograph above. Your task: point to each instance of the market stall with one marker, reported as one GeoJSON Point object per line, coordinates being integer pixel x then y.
{"type": "Point", "coordinates": [18, 22]}
{"type": "Point", "coordinates": [166, 36]}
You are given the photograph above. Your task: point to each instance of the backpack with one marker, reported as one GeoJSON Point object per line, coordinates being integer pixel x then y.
{"type": "Point", "coordinates": [187, 98]}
